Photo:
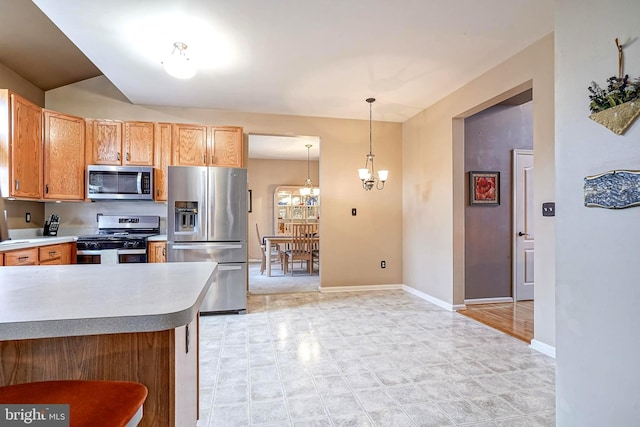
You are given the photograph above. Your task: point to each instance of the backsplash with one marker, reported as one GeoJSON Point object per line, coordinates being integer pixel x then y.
{"type": "Point", "coordinates": [81, 218]}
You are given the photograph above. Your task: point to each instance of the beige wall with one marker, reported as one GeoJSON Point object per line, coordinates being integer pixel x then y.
{"type": "Point", "coordinates": [352, 247]}
{"type": "Point", "coordinates": [264, 177]}
{"type": "Point", "coordinates": [433, 177]}
{"type": "Point", "coordinates": [10, 80]}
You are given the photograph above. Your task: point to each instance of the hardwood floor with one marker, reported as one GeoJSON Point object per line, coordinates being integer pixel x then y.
{"type": "Point", "coordinates": [515, 319]}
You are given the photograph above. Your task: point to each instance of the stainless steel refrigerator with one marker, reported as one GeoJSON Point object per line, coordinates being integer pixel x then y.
{"type": "Point", "coordinates": [207, 221]}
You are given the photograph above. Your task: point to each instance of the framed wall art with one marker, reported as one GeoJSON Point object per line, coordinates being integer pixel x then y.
{"type": "Point", "coordinates": [484, 188]}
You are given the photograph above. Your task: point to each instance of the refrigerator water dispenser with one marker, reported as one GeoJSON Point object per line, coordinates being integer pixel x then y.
{"type": "Point", "coordinates": [186, 220]}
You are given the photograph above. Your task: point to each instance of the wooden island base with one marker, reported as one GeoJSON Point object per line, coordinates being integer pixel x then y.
{"type": "Point", "coordinates": [164, 361]}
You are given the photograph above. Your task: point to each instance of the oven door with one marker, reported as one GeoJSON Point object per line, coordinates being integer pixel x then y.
{"type": "Point", "coordinates": [111, 256]}
{"type": "Point", "coordinates": [130, 256]}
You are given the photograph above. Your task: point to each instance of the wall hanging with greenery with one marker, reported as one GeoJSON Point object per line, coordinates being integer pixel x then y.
{"type": "Point", "coordinates": [617, 106]}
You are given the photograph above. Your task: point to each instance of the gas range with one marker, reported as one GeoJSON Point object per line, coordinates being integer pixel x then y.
{"type": "Point", "coordinates": [120, 239]}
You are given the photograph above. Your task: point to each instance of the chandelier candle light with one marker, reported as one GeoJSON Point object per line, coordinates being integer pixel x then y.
{"type": "Point", "coordinates": [308, 189]}
{"type": "Point", "coordinates": [368, 177]}
{"type": "Point", "coordinates": [178, 64]}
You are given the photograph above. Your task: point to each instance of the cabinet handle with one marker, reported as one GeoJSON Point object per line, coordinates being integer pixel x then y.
{"type": "Point", "coordinates": [17, 184]}
{"type": "Point", "coordinates": [164, 251]}
{"type": "Point", "coordinates": [118, 156]}
{"type": "Point", "coordinates": [23, 258]}
{"type": "Point", "coordinates": [187, 339]}
{"type": "Point", "coordinates": [204, 159]}
{"type": "Point", "coordinates": [53, 253]}
{"type": "Point", "coordinates": [46, 188]}
{"type": "Point", "coordinates": [212, 159]}
{"type": "Point", "coordinates": [127, 157]}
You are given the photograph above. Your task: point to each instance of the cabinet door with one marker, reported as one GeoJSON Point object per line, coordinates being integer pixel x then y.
{"type": "Point", "coordinates": [162, 160]}
{"type": "Point", "coordinates": [26, 148]}
{"type": "Point", "coordinates": [189, 145]}
{"type": "Point", "coordinates": [50, 255]}
{"type": "Point", "coordinates": [157, 252]}
{"type": "Point", "coordinates": [226, 146]}
{"type": "Point", "coordinates": [106, 142]}
{"type": "Point", "coordinates": [138, 143]}
{"type": "Point", "coordinates": [63, 156]}
{"type": "Point", "coordinates": [21, 257]}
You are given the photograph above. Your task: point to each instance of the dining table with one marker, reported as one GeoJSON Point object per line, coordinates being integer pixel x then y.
{"type": "Point", "coordinates": [282, 239]}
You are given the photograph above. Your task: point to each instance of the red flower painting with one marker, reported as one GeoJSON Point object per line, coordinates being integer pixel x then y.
{"type": "Point", "coordinates": [484, 187]}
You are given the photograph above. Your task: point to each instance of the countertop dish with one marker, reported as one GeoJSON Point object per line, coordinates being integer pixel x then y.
{"type": "Point", "coordinates": [92, 299]}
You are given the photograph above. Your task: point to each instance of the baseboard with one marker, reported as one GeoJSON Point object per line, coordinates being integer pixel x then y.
{"type": "Point", "coordinates": [433, 300]}
{"type": "Point", "coordinates": [543, 348]}
{"type": "Point", "coordinates": [359, 288]}
{"type": "Point", "coordinates": [487, 300]}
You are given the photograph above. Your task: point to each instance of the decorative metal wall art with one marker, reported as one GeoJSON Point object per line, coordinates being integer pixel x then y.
{"type": "Point", "coordinates": [617, 189]}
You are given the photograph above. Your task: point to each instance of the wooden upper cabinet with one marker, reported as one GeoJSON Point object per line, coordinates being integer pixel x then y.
{"type": "Point", "coordinates": [162, 160]}
{"type": "Point", "coordinates": [24, 147]}
{"type": "Point", "coordinates": [189, 145]}
{"type": "Point", "coordinates": [226, 147]}
{"type": "Point", "coordinates": [64, 156]}
{"type": "Point", "coordinates": [138, 143]}
{"type": "Point", "coordinates": [104, 142]}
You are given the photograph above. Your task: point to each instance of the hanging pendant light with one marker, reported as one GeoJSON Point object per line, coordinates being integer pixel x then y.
{"type": "Point", "coordinates": [307, 189]}
{"type": "Point", "coordinates": [368, 176]}
{"type": "Point", "coordinates": [178, 65]}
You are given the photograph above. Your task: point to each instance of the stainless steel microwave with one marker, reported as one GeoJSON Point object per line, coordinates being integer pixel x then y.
{"type": "Point", "coordinates": [119, 182]}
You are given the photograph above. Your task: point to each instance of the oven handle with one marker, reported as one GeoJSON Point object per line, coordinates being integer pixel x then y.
{"type": "Point", "coordinates": [209, 246]}
{"type": "Point", "coordinates": [81, 252]}
{"type": "Point", "coordinates": [131, 251]}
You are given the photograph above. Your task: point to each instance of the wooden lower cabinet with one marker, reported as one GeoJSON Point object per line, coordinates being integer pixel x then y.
{"type": "Point", "coordinates": [164, 361]}
{"type": "Point", "coordinates": [59, 254]}
{"type": "Point", "coordinates": [157, 252]}
{"type": "Point", "coordinates": [55, 254]}
{"type": "Point", "coordinates": [21, 257]}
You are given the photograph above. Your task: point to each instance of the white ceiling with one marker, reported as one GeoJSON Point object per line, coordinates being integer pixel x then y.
{"type": "Point", "coordinates": [315, 58]}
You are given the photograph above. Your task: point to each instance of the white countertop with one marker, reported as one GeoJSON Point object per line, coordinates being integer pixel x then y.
{"type": "Point", "coordinates": [92, 299]}
{"type": "Point", "coordinates": [13, 244]}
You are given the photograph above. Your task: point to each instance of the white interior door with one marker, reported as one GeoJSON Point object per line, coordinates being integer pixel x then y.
{"type": "Point", "coordinates": [523, 235]}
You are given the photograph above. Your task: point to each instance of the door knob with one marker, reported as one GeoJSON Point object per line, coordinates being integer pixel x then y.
{"type": "Point", "coordinates": [522, 234]}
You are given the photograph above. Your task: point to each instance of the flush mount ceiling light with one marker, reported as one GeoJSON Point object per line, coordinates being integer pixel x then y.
{"type": "Point", "coordinates": [178, 64]}
{"type": "Point", "coordinates": [307, 189]}
{"type": "Point", "coordinates": [368, 177]}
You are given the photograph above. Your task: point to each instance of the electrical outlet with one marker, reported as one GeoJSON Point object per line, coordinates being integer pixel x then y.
{"type": "Point", "coordinates": [549, 209]}
{"type": "Point", "coordinates": [353, 211]}
{"type": "Point", "coordinates": [383, 264]}
{"type": "Point", "coordinates": [27, 217]}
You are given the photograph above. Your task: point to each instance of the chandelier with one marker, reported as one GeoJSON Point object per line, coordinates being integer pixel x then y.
{"type": "Point", "coordinates": [307, 189]}
{"type": "Point", "coordinates": [368, 177]}
{"type": "Point", "coordinates": [178, 64]}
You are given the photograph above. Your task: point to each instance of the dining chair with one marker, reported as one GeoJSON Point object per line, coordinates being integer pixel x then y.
{"type": "Point", "coordinates": [274, 254]}
{"type": "Point", "coordinates": [301, 247]}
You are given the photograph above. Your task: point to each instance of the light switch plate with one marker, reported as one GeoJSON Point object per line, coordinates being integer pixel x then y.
{"type": "Point", "coordinates": [549, 209]}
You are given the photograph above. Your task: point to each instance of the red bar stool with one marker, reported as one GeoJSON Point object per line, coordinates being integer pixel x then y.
{"type": "Point", "coordinates": [91, 403]}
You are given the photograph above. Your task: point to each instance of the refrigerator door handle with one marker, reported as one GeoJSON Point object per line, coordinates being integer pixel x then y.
{"type": "Point", "coordinates": [205, 246]}
{"type": "Point", "coordinates": [228, 267]}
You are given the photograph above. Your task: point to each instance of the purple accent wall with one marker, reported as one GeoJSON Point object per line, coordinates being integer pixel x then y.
{"type": "Point", "coordinates": [489, 138]}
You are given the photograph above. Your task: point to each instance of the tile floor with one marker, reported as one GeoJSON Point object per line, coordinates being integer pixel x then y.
{"type": "Point", "coordinates": [384, 358]}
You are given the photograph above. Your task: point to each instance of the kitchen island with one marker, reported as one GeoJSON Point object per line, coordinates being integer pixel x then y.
{"type": "Point", "coordinates": [133, 322]}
